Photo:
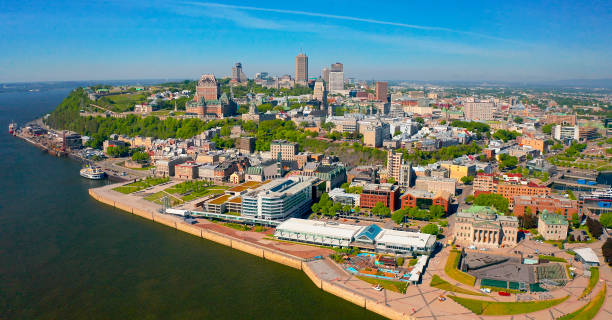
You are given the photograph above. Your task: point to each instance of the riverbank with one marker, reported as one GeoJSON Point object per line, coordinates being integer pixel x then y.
{"type": "Point", "coordinates": [318, 270]}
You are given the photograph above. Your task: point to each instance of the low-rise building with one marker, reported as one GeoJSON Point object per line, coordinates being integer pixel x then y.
{"type": "Point", "coordinates": [458, 171]}
{"type": "Point", "coordinates": [435, 185]}
{"type": "Point", "coordinates": [370, 237]}
{"type": "Point", "coordinates": [511, 186]}
{"type": "Point", "coordinates": [187, 170]}
{"type": "Point", "coordinates": [552, 226]}
{"type": "Point", "coordinates": [386, 193]}
{"type": "Point", "coordinates": [483, 227]}
{"type": "Point", "coordinates": [165, 167]}
{"type": "Point", "coordinates": [535, 143]}
{"type": "Point", "coordinates": [350, 199]}
{"type": "Point", "coordinates": [537, 204]}
{"type": "Point", "coordinates": [424, 200]}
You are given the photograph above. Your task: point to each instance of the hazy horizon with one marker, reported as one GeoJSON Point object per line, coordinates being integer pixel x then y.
{"type": "Point", "coordinates": [435, 41]}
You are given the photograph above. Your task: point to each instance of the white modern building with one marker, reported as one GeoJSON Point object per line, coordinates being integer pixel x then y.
{"type": "Point", "coordinates": [339, 195]}
{"type": "Point", "coordinates": [317, 232]}
{"type": "Point", "coordinates": [371, 238]}
{"type": "Point", "coordinates": [280, 199]}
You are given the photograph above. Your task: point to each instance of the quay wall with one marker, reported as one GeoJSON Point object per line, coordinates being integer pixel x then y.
{"type": "Point", "coordinates": [262, 252]}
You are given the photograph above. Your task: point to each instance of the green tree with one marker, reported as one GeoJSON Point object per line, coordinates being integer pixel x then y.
{"type": "Point", "coordinates": [140, 157]}
{"type": "Point", "coordinates": [547, 128]}
{"type": "Point", "coordinates": [436, 211]}
{"type": "Point", "coordinates": [467, 179]}
{"type": "Point", "coordinates": [606, 219]}
{"type": "Point", "coordinates": [398, 216]}
{"type": "Point", "coordinates": [491, 199]}
{"type": "Point", "coordinates": [381, 210]}
{"type": "Point", "coordinates": [576, 220]}
{"type": "Point", "coordinates": [518, 120]}
{"type": "Point", "coordinates": [430, 229]}
{"type": "Point", "coordinates": [118, 151]}
{"type": "Point", "coordinates": [469, 199]}
{"type": "Point", "coordinates": [507, 161]}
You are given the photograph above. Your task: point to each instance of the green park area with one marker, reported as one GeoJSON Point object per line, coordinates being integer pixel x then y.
{"type": "Point", "coordinates": [589, 310]}
{"type": "Point", "coordinates": [191, 190]}
{"type": "Point", "coordinates": [140, 185]}
{"type": "Point", "coordinates": [158, 196]}
{"type": "Point", "coordinates": [442, 284]}
{"type": "Point", "coordinates": [592, 281]}
{"type": "Point", "coordinates": [397, 286]}
{"type": "Point", "coordinates": [552, 259]}
{"type": "Point", "coordinates": [451, 269]}
{"type": "Point", "coordinates": [495, 308]}
{"type": "Point", "coordinates": [121, 102]}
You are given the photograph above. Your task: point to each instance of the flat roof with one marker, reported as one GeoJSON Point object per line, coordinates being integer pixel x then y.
{"type": "Point", "coordinates": [327, 229]}
{"type": "Point", "coordinates": [414, 239]}
{"type": "Point", "coordinates": [245, 186]}
{"type": "Point", "coordinates": [587, 254]}
{"type": "Point", "coordinates": [220, 200]}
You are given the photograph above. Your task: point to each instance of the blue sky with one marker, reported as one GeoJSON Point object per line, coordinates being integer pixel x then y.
{"type": "Point", "coordinates": [414, 40]}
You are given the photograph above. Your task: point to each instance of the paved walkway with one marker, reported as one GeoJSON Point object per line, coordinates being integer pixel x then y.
{"type": "Point", "coordinates": [420, 301]}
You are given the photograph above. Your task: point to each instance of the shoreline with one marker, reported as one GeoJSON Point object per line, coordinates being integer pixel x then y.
{"type": "Point", "coordinates": [308, 266]}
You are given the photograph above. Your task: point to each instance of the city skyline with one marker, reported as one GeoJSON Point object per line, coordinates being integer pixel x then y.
{"type": "Point", "coordinates": [183, 39]}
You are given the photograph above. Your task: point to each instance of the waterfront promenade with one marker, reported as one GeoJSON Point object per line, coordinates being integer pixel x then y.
{"type": "Point", "coordinates": [419, 302]}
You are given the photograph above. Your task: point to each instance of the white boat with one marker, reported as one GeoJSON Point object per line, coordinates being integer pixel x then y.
{"type": "Point", "coordinates": [94, 173]}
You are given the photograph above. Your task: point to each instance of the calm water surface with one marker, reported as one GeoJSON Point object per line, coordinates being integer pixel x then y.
{"type": "Point", "coordinates": [66, 256]}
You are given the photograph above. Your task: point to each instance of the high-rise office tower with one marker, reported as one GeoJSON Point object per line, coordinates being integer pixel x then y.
{"type": "Point", "coordinates": [337, 67]}
{"type": "Point", "coordinates": [325, 74]}
{"type": "Point", "coordinates": [237, 74]}
{"type": "Point", "coordinates": [320, 93]}
{"type": "Point", "coordinates": [381, 91]}
{"type": "Point", "coordinates": [301, 69]}
{"type": "Point", "coordinates": [336, 81]}
{"type": "Point", "coordinates": [336, 77]}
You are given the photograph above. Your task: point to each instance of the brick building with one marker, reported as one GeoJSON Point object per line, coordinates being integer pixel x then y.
{"type": "Point", "coordinates": [187, 170]}
{"type": "Point", "coordinates": [424, 200]}
{"type": "Point", "coordinates": [488, 183]}
{"type": "Point", "coordinates": [386, 193]}
{"type": "Point", "coordinates": [537, 204]}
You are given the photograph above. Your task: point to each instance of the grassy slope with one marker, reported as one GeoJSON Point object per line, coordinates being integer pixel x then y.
{"type": "Point", "coordinates": [440, 283]}
{"type": "Point", "coordinates": [494, 308]}
{"type": "Point", "coordinates": [451, 269]}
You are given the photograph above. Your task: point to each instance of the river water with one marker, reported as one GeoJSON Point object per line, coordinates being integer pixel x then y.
{"type": "Point", "coordinates": [65, 256]}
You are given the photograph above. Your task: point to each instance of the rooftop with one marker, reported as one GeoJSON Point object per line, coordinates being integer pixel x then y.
{"type": "Point", "coordinates": [328, 229]}
{"type": "Point", "coordinates": [414, 239]}
{"type": "Point", "coordinates": [552, 218]}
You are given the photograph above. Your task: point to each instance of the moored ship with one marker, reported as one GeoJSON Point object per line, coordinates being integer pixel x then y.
{"type": "Point", "coordinates": [92, 172]}
{"type": "Point", "coordinates": [12, 128]}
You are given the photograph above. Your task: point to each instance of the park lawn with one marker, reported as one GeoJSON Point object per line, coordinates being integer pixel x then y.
{"type": "Point", "coordinates": [140, 185]}
{"type": "Point", "coordinates": [589, 310]}
{"type": "Point", "coordinates": [156, 198]}
{"type": "Point", "coordinates": [494, 308]}
{"type": "Point", "coordinates": [397, 286]}
{"type": "Point", "coordinates": [552, 259]}
{"type": "Point", "coordinates": [237, 226]}
{"type": "Point", "coordinates": [122, 102]}
{"type": "Point", "coordinates": [440, 283]}
{"type": "Point", "coordinates": [190, 190]}
{"type": "Point", "coordinates": [412, 262]}
{"type": "Point", "coordinates": [592, 281]}
{"type": "Point", "coordinates": [451, 269]}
